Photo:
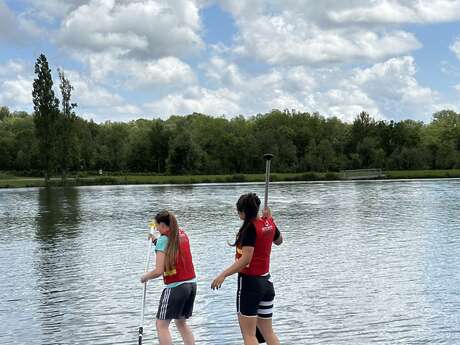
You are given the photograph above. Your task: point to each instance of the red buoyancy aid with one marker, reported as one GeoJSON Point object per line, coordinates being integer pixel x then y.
{"type": "Point", "coordinates": [183, 269]}
{"type": "Point", "coordinates": [260, 262]}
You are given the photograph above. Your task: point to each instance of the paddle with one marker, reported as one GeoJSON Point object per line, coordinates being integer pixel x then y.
{"type": "Point", "coordinates": [268, 157]}
{"type": "Point", "coordinates": [152, 226]}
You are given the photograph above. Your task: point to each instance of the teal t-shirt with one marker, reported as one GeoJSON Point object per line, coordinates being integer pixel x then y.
{"type": "Point", "coordinates": [162, 244]}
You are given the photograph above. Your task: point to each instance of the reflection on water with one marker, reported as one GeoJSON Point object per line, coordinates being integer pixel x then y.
{"type": "Point", "coordinates": [58, 215]}
{"type": "Point", "coordinates": [56, 260]}
{"type": "Point", "coordinates": [362, 263]}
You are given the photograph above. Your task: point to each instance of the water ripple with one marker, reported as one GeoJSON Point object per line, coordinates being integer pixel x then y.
{"type": "Point", "coordinates": [362, 263]}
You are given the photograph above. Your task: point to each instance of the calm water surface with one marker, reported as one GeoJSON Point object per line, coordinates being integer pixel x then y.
{"type": "Point", "coordinates": [362, 263]}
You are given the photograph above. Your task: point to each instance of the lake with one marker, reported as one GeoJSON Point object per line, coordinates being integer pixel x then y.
{"type": "Point", "coordinates": [371, 262]}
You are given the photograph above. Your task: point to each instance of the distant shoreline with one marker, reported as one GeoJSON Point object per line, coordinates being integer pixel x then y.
{"type": "Point", "coordinates": [10, 181]}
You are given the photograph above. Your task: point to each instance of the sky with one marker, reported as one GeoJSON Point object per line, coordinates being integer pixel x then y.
{"type": "Point", "coordinates": [395, 59]}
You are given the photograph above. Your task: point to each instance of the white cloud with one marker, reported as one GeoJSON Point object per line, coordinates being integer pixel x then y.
{"type": "Point", "coordinates": [7, 22]}
{"type": "Point", "coordinates": [128, 110]}
{"type": "Point", "coordinates": [222, 72]}
{"type": "Point", "coordinates": [12, 67]}
{"type": "Point", "coordinates": [277, 88]}
{"type": "Point", "coordinates": [91, 95]}
{"type": "Point", "coordinates": [16, 93]}
{"type": "Point", "coordinates": [450, 69]}
{"type": "Point", "coordinates": [16, 85]}
{"type": "Point", "coordinates": [293, 32]}
{"type": "Point", "coordinates": [308, 31]}
{"type": "Point", "coordinates": [167, 72]}
{"type": "Point", "coordinates": [164, 72]}
{"type": "Point", "coordinates": [98, 101]}
{"type": "Point", "coordinates": [196, 99]}
{"type": "Point", "coordinates": [393, 85]}
{"type": "Point", "coordinates": [228, 74]}
{"type": "Point", "coordinates": [352, 11]}
{"type": "Point", "coordinates": [303, 51]}
{"type": "Point", "coordinates": [455, 47]}
{"type": "Point", "coordinates": [457, 87]}
{"type": "Point", "coordinates": [140, 29]}
{"type": "Point", "coordinates": [15, 29]}
{"type": "Point", "coordinates": [51, 10]}
{"type": "Point", "coordinates": [397, 12]}
{"type": "Point", "coordinates": [344, 103]}
{"type": "Point", "coordinates": [246, 9]}
{"type": "Point", "coordinates": [385, 90]}
{"type": "Point", "coordinates": [267, 91]}
{"type": "Point", "coordinates": [289, 39]}
{"type": "Point", "coordinates": [94, 100]}
{"type": "Point", "coordinates": [100, 65]}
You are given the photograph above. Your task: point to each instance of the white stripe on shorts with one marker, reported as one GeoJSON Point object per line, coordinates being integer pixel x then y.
{"type": "Point", "coordinates": [266, 303]}
{"type": "Point", "coordinates": [265, 308]}
{"type": "Point", "coordinates": [239, 294]}
{"type": "Point", "coordinates": [164, 305]}
{"type": "Point", "coordinates": [264, 311]}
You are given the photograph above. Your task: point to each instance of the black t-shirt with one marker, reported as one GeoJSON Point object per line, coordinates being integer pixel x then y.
{"type": "Point", "coordinates": [248, 238]}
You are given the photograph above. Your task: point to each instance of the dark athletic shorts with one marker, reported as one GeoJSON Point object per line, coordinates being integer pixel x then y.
{"type": "Point", "coordinates": [177, 302]}
{"type": "Point", "coordinates": [255, 296]}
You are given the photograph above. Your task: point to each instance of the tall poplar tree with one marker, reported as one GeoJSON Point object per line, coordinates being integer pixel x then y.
{"type": "Point", "coordinates": [46, 113]}
{"type": "Point", "coordinates": [66, 150]}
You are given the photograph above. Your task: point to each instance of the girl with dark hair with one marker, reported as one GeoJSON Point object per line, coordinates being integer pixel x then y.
{"type": "Point", "coordinates": [174, 263]}
{"type": "Point", "coordinates": [255, 294]}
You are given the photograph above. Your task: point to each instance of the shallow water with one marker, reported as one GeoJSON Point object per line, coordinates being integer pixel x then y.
{"type": "Point", "coordinates": [362, 263]}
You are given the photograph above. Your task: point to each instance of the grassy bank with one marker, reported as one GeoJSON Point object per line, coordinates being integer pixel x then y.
{"type": "Point", "coordinates": [10, 181]}
{"type": "Point", "coordinates": [417, 174]}
{"type": "Point", "coordinates": [18, 182]}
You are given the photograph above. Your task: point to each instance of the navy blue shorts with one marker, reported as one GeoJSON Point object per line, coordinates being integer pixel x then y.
{"type": "Point", "coordinates": [255, 295]}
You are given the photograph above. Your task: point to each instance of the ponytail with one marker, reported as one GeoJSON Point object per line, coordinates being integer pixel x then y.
{"type": "Point", "coordinates": [173, 247]}
{"type": "Point", "coordinates": [249, 204]}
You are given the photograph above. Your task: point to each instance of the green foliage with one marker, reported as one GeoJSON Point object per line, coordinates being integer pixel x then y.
{"type": "Point", "coordinates": [306, 145]}
{"type": "Point", "coordinates": [67, 151]}
{"type": "Point", "coordinates": [309, 146]}
{"type": "Point", "coordinates": [4, 113]}
{"type": "Point", "coordinates": [46, 114]}
{"type": "Point", "coordinates": [184, 154]}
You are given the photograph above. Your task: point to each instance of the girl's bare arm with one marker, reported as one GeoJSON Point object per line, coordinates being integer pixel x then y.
{"type": "Point", "coordinates": [237, 266]}
{"type": "Point", "coordinates": [158, 270]}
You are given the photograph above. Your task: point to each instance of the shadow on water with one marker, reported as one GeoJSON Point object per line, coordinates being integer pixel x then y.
{"type": "Point", "coordinates": [56, 260]}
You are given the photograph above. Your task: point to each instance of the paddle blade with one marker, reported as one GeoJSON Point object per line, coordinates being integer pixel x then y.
{"type": "Point", "coordinates": [260, 337]}
{"type": "Point", "coordinates": [141, 331]}
{"type": "Point", "coordinates": [268, 156]}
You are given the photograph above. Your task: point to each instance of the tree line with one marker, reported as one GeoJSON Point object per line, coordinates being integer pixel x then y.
{"type": "Point", "coordinates": [54, 140]}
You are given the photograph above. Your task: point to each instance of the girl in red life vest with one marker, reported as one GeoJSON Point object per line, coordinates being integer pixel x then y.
{"type": "Point", "coordinates": [174, 263]}
{"type": "Point", "coordinates": [255, 294]}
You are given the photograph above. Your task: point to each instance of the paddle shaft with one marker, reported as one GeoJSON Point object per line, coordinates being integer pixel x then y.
{"type": "Point", "coordinates": [268, 157]}
{"type": "Point", "coordinates": [144, 290]}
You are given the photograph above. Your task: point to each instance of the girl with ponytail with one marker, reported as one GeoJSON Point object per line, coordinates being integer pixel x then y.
{"type": "Point", "coordinates": [255, 294]}
{"type": "Point", "coordinates": [173, 262]}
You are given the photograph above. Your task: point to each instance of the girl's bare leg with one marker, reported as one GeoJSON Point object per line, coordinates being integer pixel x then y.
{"type": "Point", "coordinates": [265, 327]}
{"type": "Point", "coordinates": [248, 329]}
{"type": "Point", "coordinates": [185, 331]}
{"type": "Point", "coordinates": [163, 332]}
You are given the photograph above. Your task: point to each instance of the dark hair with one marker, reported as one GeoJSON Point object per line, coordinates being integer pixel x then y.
{"type": "Point", "coordinates": [249, 204]}
{"type": "Point", "coordinates": [173, 248]}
